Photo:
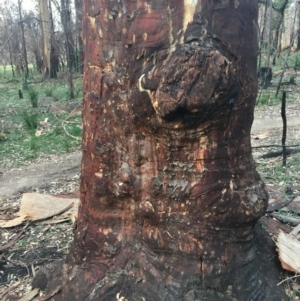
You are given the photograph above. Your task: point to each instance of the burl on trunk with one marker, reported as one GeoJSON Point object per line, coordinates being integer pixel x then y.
{"type": "Point", "coordinates": [169, 191]}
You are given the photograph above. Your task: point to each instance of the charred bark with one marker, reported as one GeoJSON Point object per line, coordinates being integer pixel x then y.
{"type": "Point", "coordinates": [169, 191]}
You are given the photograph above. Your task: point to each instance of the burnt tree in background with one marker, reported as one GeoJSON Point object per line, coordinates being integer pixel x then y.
{"type": "Point", "coordinates": [169, 191]}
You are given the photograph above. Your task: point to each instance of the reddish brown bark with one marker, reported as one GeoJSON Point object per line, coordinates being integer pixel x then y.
{"type": "Point", "coordinates": [169, 191]}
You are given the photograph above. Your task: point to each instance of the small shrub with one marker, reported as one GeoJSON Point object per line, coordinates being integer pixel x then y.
{"type": "Point", "coordinates": [48, 92]}
{"type": "Point", "coordinates": [30, 120]}
{"type": "Point", "coordinates": [33, 143]}
{"type": "Point", "coordinates": [297, 63]}
{"type": "Point", "coordinates": [58, 130]}
{"type": "Point", "coordinates": [67, 144]}
{"type": "Point", "coordinates": [75, 130]}
{"type": "Point", "coordinates": [33, 97]}
{"type": "Point", "coordinates": [264, 99]}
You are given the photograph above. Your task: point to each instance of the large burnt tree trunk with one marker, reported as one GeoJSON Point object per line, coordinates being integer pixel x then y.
{"type": "Point", "coordinates": [169, 191]}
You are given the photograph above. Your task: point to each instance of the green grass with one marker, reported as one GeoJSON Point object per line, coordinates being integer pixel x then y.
{"type": "Point", "coordinates": [268, 98]}
{"type": "Point", "coordinates": [33, 97]}
{"type": "Point", "coordinates": [22, 143]}
{"type": "Point", "coordinates": [28, 131]}
{"type": "Point", "coordinates": [30, 120]}
{"type": "Point", "coordinates": [273, 172]}
{"type": "Point", "coordinates": [48, 92]}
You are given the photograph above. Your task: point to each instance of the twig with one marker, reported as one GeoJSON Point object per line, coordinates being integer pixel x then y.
{"type": "Point", "coordinates": [50, 295]}
{"type": "Point", "coordinates": [17, 262]}
{"type": "Point", "coordinates": [286, 219]}
{"type": "Point", "coordinates": [9, 289]}
{"type": "Point", "coordinates": [68, 134]}
{"type": "Point", "coordinates": [15, 239]}
{"type": "Point", "coordinates": [72, 112]}
{"type": "Point", "coordinates": [6, 208]}
{"type": "Point", "coordinates": [289, 278]}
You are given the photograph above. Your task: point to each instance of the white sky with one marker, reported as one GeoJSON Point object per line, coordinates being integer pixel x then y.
{"type": "Point", "coordinates": [26, 4]}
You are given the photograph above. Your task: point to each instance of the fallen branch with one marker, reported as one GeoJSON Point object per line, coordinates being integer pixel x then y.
{"type": "Point", "coordinates": [6, 208]}
{"type": "Point", "coordinates": [17, 262]}
{"type": "Point", "coordinates": [30, 295]}
{"type": "Point", "coordinates": [289, 278]}
{"type": "Point", "coordinates": [273, 154]}
{"type": "Point", "coordinates": [274, 145]}
{"type": "Point", "coordinates": [68, 134]}
{"type": "Point", "coordinates": [286, 219]}
{"type": "Point", "coordinates": [9, 289]}
{"type": "Point", "coordinates": [50, 295]}
{"type": "Point", "coordinates": [15, 239]}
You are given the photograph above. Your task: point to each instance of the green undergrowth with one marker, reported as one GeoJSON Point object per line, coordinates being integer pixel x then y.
{"type": "Point", "coordinates": [268, 97]}
{"type": "Point", "coordinates": [40, 123]}
{"type": "Point", "coordinates": [273, 172]}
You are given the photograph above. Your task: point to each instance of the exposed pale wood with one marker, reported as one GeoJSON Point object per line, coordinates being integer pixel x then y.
{"type": "Point", "coordinates": [289, 249]}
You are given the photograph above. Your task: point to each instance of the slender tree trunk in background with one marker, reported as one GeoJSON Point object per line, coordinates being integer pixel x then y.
{"type": "Point", "coordinates": [54, 54]}
{"type": "Point", "coordinates": [46, 34]}
{"type": "Point", "coordinates": [169, 191]}
{"type": "Point", "coordinates": [278, 31]}
{"type": "Point", "coordinates": [24, 54]}
{"type": "Point", "coordinates": [66, 23]}
{"type": "Point", "coordinates": [262, 34]}
{"type": "Point", "coordinates": [50, 59]}
{"type": "Point", "coordinates": [78, 9]}
{"type": "Point", "coordinates": [298, 29]}
{"type": "Point", "coordinates": [10, 59]}
{"type": "Point", "coordinates": [270, 34]}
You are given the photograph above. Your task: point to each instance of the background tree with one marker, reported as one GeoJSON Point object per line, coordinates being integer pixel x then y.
{"type": "Point", "coordinates": [280, 7]}
{"type": "Point", "coordinates": [78, 12]}
{"type": "Point", "coordinates": [24, 51]}
{"type": "Point", "coordinates": [50, 55]}
{"type": "Point", "coordinates": [34, 39]}
{"type": "Point", "coordinates": [66, 21]}
{"type": "Point", "coordinates": [169, 191]}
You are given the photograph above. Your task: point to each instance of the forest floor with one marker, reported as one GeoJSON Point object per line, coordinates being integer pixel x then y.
{"type": "Point", "coordinates": [23, 250]}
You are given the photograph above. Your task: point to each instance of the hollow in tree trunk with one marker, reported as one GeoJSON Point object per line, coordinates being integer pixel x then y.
{"type": "Point", "coordinates": [169, 191]}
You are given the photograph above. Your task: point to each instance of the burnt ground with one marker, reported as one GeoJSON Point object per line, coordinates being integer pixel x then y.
{"type": "Point", "coordinates": [43, 242]}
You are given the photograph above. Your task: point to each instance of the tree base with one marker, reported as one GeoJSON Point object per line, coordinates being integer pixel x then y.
{"type": "Point", "coordinates": [145, 275]}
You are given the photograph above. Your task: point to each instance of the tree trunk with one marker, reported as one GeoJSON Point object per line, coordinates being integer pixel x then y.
{"type": "Point", "coordinates": [50, 56]}
{"type": "Point", "coordinates": [262, 28]}
{"type": "Point", "coordinates": [78, 9]}
{"type": "Point", "coordinates": [24, 54]}
{"type": "Point", "coordinates": [66, 23]}
{"type": "Point", "coordinates": [169, 191]}
{"type": "Point", "coordinates": [10, 60]}
{"type": "Point", "coordinates": [46, 33]}
{"type": "Point", "coordinates": [298, 28]}
{"type": "Point", "coordinates": [270, 51]}
{"type": "Point", "coordinates": [278, 31]}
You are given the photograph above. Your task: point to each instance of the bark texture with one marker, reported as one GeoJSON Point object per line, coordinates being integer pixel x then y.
{"type": "Point", "coordinates": [169, 191]}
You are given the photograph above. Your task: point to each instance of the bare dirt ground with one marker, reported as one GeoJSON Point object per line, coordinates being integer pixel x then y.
{"type": "Point", "coordinates": [42, 242]}
{"type": "Point", "coordinates": [55, 175]}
